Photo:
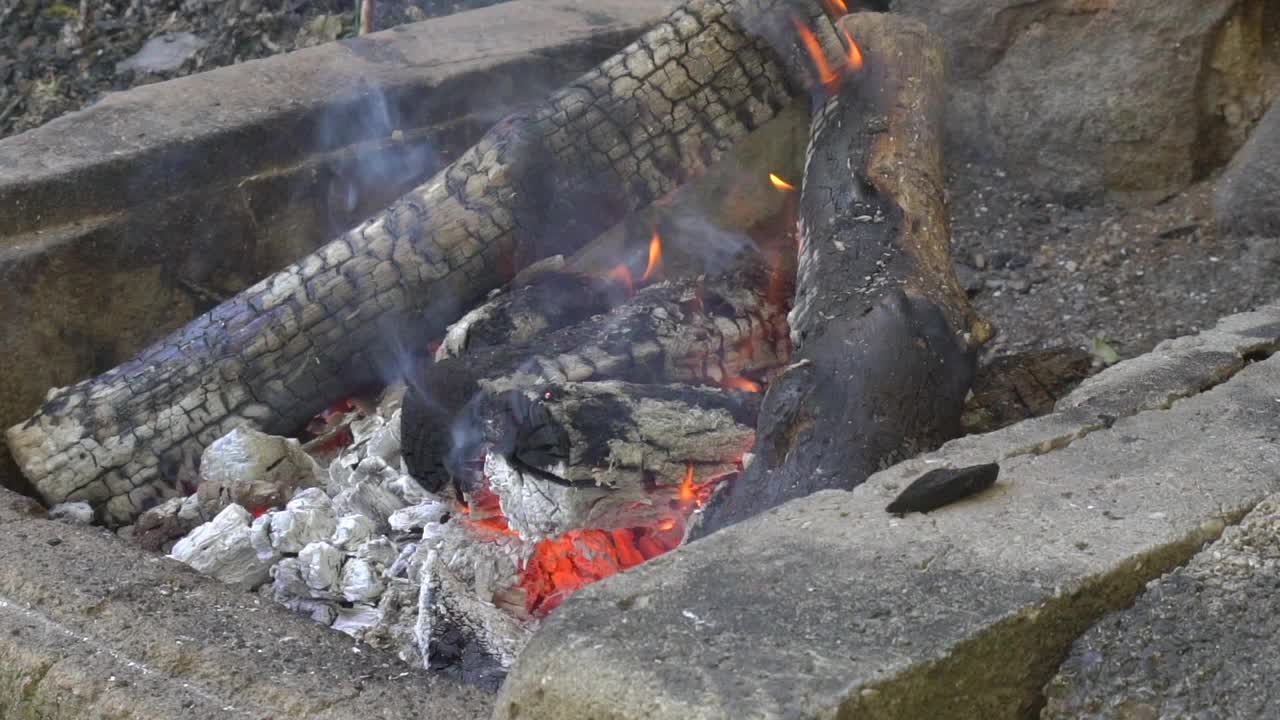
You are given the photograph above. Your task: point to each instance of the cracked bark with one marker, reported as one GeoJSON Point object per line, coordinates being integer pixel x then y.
{"type": "Point", "coordinates": [539, 183]}
{"type": "Point", "coordinates": [606, 455]}
{"type": "Point", "coordinates": [885, 339]}
{"type": "Point", "coordinates": [694, 331]}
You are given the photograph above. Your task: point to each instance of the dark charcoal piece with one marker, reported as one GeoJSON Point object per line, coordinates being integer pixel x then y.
{"type": "Point", "coordinates": [937, 488]}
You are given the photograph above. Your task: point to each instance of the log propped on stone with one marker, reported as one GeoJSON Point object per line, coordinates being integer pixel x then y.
{"type": "Point", "coordinates": [540, 183]}
{"type": "Point", "coordinates": [608, 455]}
{"type": "Point", "coordinates": [703, 330]}
{"type": "Point", "coordinates": [885, 339]}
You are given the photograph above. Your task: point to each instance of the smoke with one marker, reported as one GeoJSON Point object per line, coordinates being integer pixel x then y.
{"type": "Point", "coordinates": [374, 158]}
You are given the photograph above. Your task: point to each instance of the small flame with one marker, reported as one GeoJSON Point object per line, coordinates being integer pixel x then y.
{"type": "Point", "coordinates": [781, 184]}
{"type": "Point", "coordinates": [828, 77]}
{"type": "Point", "coordinates": [655, 256]}
{"type": "Point", "coordinates": [853, 54]}
{"type": "Point", "coordinates": [687, 492]}
{"type": "Point", "coordinates": [741, 383]}
{"type": "Point", "coordinates": [835, 8]}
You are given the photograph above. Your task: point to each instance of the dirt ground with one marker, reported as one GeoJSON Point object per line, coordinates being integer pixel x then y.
{"type": "Point", "coordinates": [1129, 272]}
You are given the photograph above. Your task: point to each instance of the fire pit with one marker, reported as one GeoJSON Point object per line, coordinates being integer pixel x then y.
{"type": "Point", "coordinates": [550, 362]}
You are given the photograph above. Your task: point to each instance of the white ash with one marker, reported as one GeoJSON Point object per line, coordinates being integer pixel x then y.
{"type": "Point", "coordinates": [361, 581]}
{"type": "Point", "coordinates": [78, 513]}
{"type": "Point", "coordinates": [353, 554]}
{"type": "Point", "coordinates": [254, 470]}
{"type": "Point", "coordinates": [321, 565]}
{"type": "Point", "coordinates": [352, 531]}
{"type": "Point", "coordinates": [306, 519]}
{"type": "Point", "coordinates": [222, 548]}
{"type": "Point", "coordinates": [416, 517]}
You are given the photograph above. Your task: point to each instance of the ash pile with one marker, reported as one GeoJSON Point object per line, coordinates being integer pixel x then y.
{"type": "Point", "coordinates": [446, 546]}
{"type": "Point", "coordinates": [350, 539]}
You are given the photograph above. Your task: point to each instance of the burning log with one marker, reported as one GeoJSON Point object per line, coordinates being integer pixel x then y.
{"type": "Point", "coordinates": [608, 455]}
{"type": "Point", "coordinates": [885, 338]}
{"type": "Point", "coordinates": [539, 183]}
{"type": "Point", "coordinates": [690, 331]}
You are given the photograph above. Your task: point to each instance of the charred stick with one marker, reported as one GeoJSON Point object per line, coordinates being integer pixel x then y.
{"type": "Point", "coordinates": [884, 335]}
{"type": "Point", "coordinates": [606, 455]}
{"type": "Point", "coordinates": [686, 331]}
{"type": "Point", "coordinates": [539, 183]}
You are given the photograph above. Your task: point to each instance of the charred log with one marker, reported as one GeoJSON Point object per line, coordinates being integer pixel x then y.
{"type": "Point", "coordinates": [692, 331]}
{"type": "Point", "coordinates": [605, 455]}
{"type": "Point", "coordinates": [539, 183]}
{"type": "Point", "coordinates": [550, 301]}
{"type": "Point", "coordinates": [885, 339]}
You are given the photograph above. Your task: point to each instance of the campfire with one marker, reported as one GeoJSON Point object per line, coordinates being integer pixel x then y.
{"type": "Point", "coordinates": [557, 420]}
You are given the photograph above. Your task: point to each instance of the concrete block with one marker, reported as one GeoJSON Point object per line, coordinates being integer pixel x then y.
{"type": "Point", "coordinates": [830, 607]}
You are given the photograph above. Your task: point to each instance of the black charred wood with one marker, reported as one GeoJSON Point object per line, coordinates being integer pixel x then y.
{"type": "Point", "coordinates": [944, 486]}
{"type": "Point", "coordinates": [690, 331]}
{"type": "Point", "coordinates": [885, 339]}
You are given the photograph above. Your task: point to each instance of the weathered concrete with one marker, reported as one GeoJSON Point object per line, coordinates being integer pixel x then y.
{"type": "Point", "coordinates": [91, 626]}
{"type": "Point", "coordinates": [1201, 642]}
{"type": "Point", "coordinates": [123, 221]}
{"type": "Point", "coordinates": [829, 607]}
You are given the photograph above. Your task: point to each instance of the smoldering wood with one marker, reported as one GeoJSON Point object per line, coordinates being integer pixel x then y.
{"type": "Point", "coordinates": [885, 339]}
{"type": "Point", "coordinates": [941, 487]}
{"type": "Point", "coordinates": [605, 455]}
{"type": "Point", "coordinates": [691, 331]}
{"type": "Point", "coordinates": [549, 301]}
{"type": "Point", "coordinates": [539, 183]}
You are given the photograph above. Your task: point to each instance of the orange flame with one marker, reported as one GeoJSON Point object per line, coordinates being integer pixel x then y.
{"type": "Point", "coordinates": [687, 492]}
{"type": "Point", "coordinates": [781, 184]}
{"type": "Point", "coordinates": [853, 54]}
{"type": "Point", "coordinates": [835, 8]}
{"type": "Point", "coordinates": [741, 383]}
{"type": "Point", "coordinates": [828, 77]}
{"type": "Point", "coordinates": [655, 256]}
{"type": "Point", "coordinates": [622, 275]}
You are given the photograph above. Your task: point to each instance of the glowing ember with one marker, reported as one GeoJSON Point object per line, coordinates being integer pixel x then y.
{"type": "Point", "coordinates": [835, 8]}
{"type": "Point", "coordinates": [655, 256]}
{"type": "Point", "coordinates": [853, 54]}
{"type": "Point", "coordinates": [828, 77]}
{"type": "Point", "coordinates": [741, 383]}
{"type": "Point", "coordinates": [557, 567]}
{"type": "Point", "coordinates": [781, 184]}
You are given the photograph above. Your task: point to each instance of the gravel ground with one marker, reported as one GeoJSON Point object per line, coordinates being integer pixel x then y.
{"type": "Point", "coordinates": [61, 55]}
{"type": "Point", "coordinates": [1127, 273]}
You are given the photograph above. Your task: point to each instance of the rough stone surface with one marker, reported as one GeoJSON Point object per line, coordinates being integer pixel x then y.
{"type": "Point", "coordinates": [119, 632]}
{"type": "Point", "coordinates": [123, 221]}
{"type": "Point", "coordinates": [1199, 643]}
{"type": "Point", "coordinates": [162, 54]}
{"type": "Point", "coordinates": [1089, 95]}
{"type": "Point", "coordinates": [828, 606]}
{"type": "Point", "coordinates": [1247, 198]}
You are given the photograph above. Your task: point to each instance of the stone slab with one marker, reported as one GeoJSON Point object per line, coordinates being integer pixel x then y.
{"type": "Point", "coordinates": [828, 607]}
{"type": "Point", "coordinates": [1199, 643]}
{"type": "Point", "coordinates": [121, 222]}
{"type": "Point", "coordinates": [91, 626]}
